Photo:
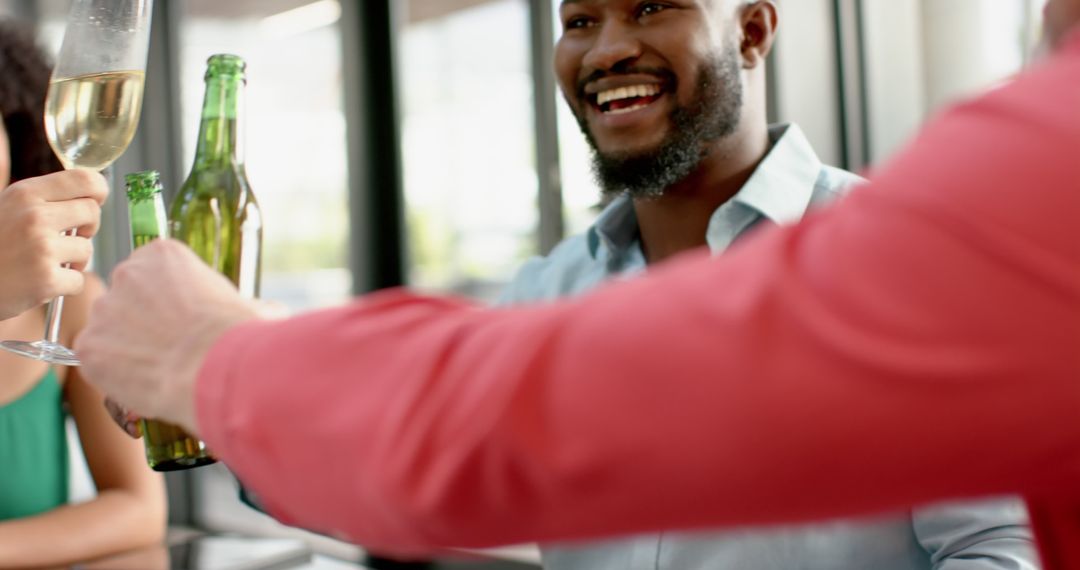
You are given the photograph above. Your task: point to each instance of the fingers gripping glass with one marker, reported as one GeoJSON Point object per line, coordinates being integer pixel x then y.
{"type": "Point", "coordinates": [91, 112]}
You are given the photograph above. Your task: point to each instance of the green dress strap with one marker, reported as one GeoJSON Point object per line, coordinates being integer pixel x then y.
{"type": "Point", "coordinates": [33, 451]}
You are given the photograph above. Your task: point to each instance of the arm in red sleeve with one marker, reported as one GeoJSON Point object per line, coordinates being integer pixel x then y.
{"type": "Point", "coordinates": [917, 341]}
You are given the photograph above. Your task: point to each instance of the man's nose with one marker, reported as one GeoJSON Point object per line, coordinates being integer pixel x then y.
{"type": "Point", "coordinates": [615, 43]}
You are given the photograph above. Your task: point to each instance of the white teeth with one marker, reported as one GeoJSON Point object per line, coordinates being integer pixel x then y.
{"type": "Point", "coordinates": [626, 93]}
{"type": "Point", "coordinates": [624, 110]}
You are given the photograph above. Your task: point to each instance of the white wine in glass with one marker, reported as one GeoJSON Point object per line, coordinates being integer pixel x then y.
{"type": "Point", "coordinates": [91, 112]}
{"type": "Point", "coordinates": [91, 119]}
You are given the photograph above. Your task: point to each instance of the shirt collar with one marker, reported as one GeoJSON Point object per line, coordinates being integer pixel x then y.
{"type": "Point", "coordinates": [780, 189]}
{"type": "Point", "coordinates": [782, 186]}
{"type": "Point", "coordinates": [616, 228]}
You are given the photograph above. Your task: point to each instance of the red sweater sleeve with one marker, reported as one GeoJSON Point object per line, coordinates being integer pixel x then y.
{"type": "Point", "coordinates": [919, 340]}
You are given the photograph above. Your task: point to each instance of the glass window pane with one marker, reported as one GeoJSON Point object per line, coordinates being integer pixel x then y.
{"type": "Point", "coordinates": [468, 142]}
{"type": "Point", "coordinates": [922, 55]}
{"type": "Point", "coordinates": [806, 79]}
{"type": "Point", "coordinates": [581, 194]}
{"type": "Point", "coordinates": [296, 158]}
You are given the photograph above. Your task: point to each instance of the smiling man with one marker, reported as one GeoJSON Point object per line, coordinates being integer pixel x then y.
{"type": "Point", "coordinates": [671, 97]}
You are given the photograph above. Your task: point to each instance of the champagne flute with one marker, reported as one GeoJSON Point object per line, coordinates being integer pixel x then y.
{"type": "Point", "coordinates": [92, 111]}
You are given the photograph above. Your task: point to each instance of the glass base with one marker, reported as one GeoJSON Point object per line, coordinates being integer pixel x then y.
{"type": "Point", "coordinates": [42, 350]}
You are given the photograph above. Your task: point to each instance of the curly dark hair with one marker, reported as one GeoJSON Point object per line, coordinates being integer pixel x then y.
{"type": "Point", "coordinates": [24, 80]}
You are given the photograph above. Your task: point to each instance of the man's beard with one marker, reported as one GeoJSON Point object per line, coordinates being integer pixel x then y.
{"type": "Point", "coordinates": [713, 114]}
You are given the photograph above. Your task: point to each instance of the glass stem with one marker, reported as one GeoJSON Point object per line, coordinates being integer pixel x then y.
{"type": "Point", "coordinates": [55, 309]}
{"type": "Point", "coordinates": [52, 319]}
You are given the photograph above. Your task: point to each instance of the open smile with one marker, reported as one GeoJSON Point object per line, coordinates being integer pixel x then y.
{"type": "Point", "coordinates": [627, 99]}
{"type": "Point", "coordinates": [628, 109]}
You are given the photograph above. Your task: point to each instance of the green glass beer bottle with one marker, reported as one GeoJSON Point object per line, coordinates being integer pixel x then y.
{"type": "Point", "coordinates": [168, 447]}
{"type": "Point", "coordinates": [215, 212]}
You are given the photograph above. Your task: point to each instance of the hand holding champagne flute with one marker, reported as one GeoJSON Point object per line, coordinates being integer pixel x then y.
{"type": "Point", "coordinates": [92, 111]}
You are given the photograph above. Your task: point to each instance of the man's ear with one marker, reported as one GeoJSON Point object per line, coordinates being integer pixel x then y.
{"type": "Point", "coordinates": [758, 21]}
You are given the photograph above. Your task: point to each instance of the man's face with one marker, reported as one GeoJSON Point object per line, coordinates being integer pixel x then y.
{"type": "Point", "coordinates": [1061, 16]}
{"type": "Point", "coordinates": [651, 84]}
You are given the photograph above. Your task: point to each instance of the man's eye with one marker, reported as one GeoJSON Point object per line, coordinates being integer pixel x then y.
{"type": "Point", "coordinates": [650, 8]}
{"type": "Point", "coordinates": [576, 23]}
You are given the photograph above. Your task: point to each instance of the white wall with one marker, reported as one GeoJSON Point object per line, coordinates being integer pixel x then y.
{"type": "Point", "coordinates": [969, 45]}
{"type": "Point", "coordinates": [895, 72]}
{"type": "Point", "coordinates": [806, 74]}
{"type": "Point", "coordinates": [922, 55]}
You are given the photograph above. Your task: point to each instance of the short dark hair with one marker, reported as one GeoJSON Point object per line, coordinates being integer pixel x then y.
{"type": "Point", "coordinates": [24, 81]}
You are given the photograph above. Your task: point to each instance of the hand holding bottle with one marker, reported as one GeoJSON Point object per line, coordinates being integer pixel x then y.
{"type": "Point", "coordinates": [168, 447]}
{"type": "Point", "coordinates": [33, 214]}
{"type": "Point", "coordinates": [129, 422]}
{"type": "Point", "coordinates": [147, 337]}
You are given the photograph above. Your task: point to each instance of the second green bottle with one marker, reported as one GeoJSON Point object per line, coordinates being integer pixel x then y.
{"type": "Point", "coordinates": [168, 447]}
{"type": "Point", "coordinates": [215, 212]}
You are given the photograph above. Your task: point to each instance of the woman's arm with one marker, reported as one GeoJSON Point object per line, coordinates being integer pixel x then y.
{"type": "Point", "coordinates": [130, 508]}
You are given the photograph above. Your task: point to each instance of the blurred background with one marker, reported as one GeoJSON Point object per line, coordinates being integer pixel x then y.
{"type": "Point", "coordinates": [424, 142]}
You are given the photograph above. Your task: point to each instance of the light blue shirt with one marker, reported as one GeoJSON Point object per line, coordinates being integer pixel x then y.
{"type": "Point", "coordinates": [963, 536]}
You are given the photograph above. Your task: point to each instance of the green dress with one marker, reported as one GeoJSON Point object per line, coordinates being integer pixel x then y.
{"type": "Point", "coordinates": [33, 451]}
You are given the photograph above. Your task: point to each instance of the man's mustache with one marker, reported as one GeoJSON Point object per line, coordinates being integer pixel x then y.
{"type": "Point", "coordinates": [665, 75]}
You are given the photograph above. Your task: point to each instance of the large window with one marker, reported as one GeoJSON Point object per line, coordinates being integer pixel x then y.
{"type": "Point", "coordinates": [581, 194]}
{"type": "Point", "coordinates": [295, 133]}
{"type": "Point", "coordinates": [468, 142]}
{"type": "Point", "coordinates": [922, 55]}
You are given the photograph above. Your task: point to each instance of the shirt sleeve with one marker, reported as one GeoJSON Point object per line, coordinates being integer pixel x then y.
{"type": "Point", "coordinates": [917, 341]}
{"type": "Point", "coordinates": [984, 535]}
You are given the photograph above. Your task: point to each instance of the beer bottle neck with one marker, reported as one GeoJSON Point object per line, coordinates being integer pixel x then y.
{"type": "Point", "coordinates": [148, 220]}
{"type": "Point", "coordinates": [221, 140]}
